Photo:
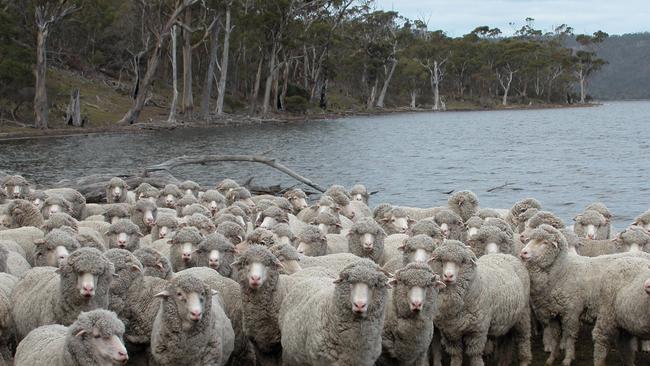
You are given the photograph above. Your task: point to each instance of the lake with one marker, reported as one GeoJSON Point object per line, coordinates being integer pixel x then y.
{"type": "Point", "coordinates": [566, 158]}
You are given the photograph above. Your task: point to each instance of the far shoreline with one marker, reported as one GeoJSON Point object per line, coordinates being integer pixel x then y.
{"type": "Point", "coordinates": [235, 120]}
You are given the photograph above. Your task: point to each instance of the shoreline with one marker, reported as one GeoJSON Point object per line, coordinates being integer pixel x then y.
{"type": "Point", "coordinates": [234, 120]}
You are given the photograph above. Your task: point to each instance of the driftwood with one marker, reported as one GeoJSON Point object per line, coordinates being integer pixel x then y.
{"type": "Point", "coordinates": [499, 187]}
{"type": "Point", "coordinates": [93, 187]}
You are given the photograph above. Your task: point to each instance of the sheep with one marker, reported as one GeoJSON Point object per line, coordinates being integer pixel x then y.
{"type": "Point", "coordinates": [226, 186]}
{"type": "Point", "coordinates": [450, 224]}
{"type": "Point", "coordinates": [484, 213]}
{"type": "Point", "coordinates": [47, 295]}
{"type": "Point", "coordinates": [541, 217]}
{"type": "Point", "coordinates": [283, 204]}
{"type": "Point", "coordinates": [76, 199]}
{"type": "Point", "coordinates": [22, 213]}
{"type": "Point", "coordinates": [643, 220]}
{"type": "Point", "coordinates": [324, 204]}
{"type": "Point", "coordinates": [95, 338]}
{"type": "Point", "coordinates": [7, 331]}
{"type": "Point", "coordinates": [165, 226]}
{"type": "Point", "coordinates": [183, 245]}
{"type": "Point", "coordinates": [116, 212]}
{"type": "Point", "coordinates": [235, 233]}
{"type": "Point", "coordinates": [187, 200]}
{"type": "Point", "coordinates": [15, 186]}
{"type": "Point", "coordinates": [490, 240]}
{"type": "Point", "coordinates": [202, 223]}
{"type": "Point", "coordinates": [146, 191]}
{"type": "Point", "coordinates": [12, 259]}
{"type": "Point", "coordinates": [565, 289]}
{"type": "Point", "coordinates": [240, 211]}
{"type": "Point", "coordinates": [99, 226]}
{"type": "Point", "coordinates": [154, 264]}
{"type": "Point", "coordinates": [408, 317]}
{"type": "Point", "coordinates": [395, 221]}
{"type": "Point", "coordinates": [342, 201]}
{"type": "Point", "coordinates": [213, 201]}
{"type": "Point", "coordinates": [298, 199]}
{"type": "Point", "coordinates": [87, 237]}
{"type": "Point", "coordinates": [54, 248]}
{"type": "Point", "coordinates": [124, 234]}
{"type": "Point", "coordinates": [169, 195]}
{"type": "Point", "coordinates": [591, 225]}
{"type": "Point", "coordinates": [366, 239]}
{"type": "Point", "coordinates": [358, 192]}
{"type": "Point", "coordinates": [240, 194]}
{"type": "Point", "coordinates": [116, 190]}
{"type": "Point", "coordinates": [25, 237]}
{"type": "Point", "coordinates": [35, 197]}
{"type": "Point", "coordinates": [464, 204]}
{"type": "Point", "coordinates": [144, 215]}
{"type": "Point", "coordinates": [632, 239]}
{"type": "Point", "coordinates": [484, 297]}
{"type": "Point", "coordinates": [263, 290]}
{"type": "Point", "coordinates": [54, 204]}
{"type": "Point", "coordinates": [472, 225]}
{"type": "Point", "coordinates": [335, 322]}
{"type": "Point", "coordinates": [517, 209]}
{"type": "Point", "coordinates": [418, 213]}
{"type": "Point", "coordinates": [270, 217]}
{"type": "Point", "coordinates": [258, 236]}
{"type": "Point", "coordinates": [216, 252]}
{"type": "Point", "coordinates": [58, 220]}
{"type": "Point", "coordinates": [359, 210]}
{"type": "Point", "coordinates": [288, 257]}
{"type": "Point", "coordinates": [224, 217]}
{"type": "Point", "coordinates": [416, 249]}
{"type": "Point", "coordinates": [190, 187]}
{"type": "Point", "coordinates": [603, 210]}
{"type": "Point", "coordinates": [327, 223]}
{"type": "Point", "coordinates": [283, 234]}
{"type": "Point", "coordinates": [313, 243]}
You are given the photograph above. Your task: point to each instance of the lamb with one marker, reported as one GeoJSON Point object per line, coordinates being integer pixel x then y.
{"type": "Point", "coordinates": [153, 263]}
{"type": "Point", "coordinates": [216, 252]}
{"type": "Point", "coordinates": [116, 212]}
{"type": "Point", "coordinates": [166, 226]}
{"type": "Point", "coordinates": [591, 225]}
{"type": "Point", "coordinates": [226, 186]}
{"type": "Point", "coordinates": [184, 243]}
{"type": "Point", "coordinates": [47, 295]}
{"type": "Point", "coordinates": [490, 240]}
{"type": "Point", "coordinates": [22, 213]}
{"type": "Point", "coordinates": [202, 223]}
{"type": "Point", "coordinates": [15, 186]}
{"type": "Point", "coordinates": [186, 200]}
{"type": "Point", "coordinates": [190, 187]}
{"type": "Point", "coordinates": [335, 322]}
{"type": "Point", "coordinates": [358, 192]}
{"type": "Point", "coordinates": [298, 199]}
{"type": "Point", "coordinates": [54, 248]}
{"type": "Point", "coordinates": [213, 201]}
{"type": "Point", "coordinates": [263, 290]}
{"type": "Point", "coordinates": [283, 234]}
{"type": "Point", "coordinates": [366, 240]}
{"type": "Point", "coordinates": [517, 209]}
{"type": "Point", "coordinates": [327, 223]}
{"type": "Point", "coordinates": [450, 224]}
{"type": "Point", "coordinates": [95, 338]}
{"type": "Point", "coordinates": [76, 199]}
{"type": "Point", "coordinates": [233, 232]}
{"type": "Point", "coordinates": [416, 249]}
{"type": "Point", "coordinates": [25, 237]}
{"type": "Point", "coordinates": [408, 317]}
{"type": "Point", "coordinates": [144, 215]}
{"type": "Point", "coordinates": [7, 284]}
{"type": "Point", "coordinates": [169, 195]}
{"type": "Point", "coordinates": [484, 297]}
{"type": "Point", "coordinates": [395, 221]}
{"type": "Point", "coordinates": [464, 204]}
{"type": "Point", "coordinates": [565, 289]}
{"type": "Point", "coordinates": [124, 234]}
{"type": "Point", "coordinates": [116, 190]}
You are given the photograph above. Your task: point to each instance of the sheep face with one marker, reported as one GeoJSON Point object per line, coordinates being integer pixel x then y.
{"type": "Point", "coordinates": [191, 305]}
{"type": "Point", "coordinates": [588, 225]}
{"type": "Point", "coordinates": [633, 239]}
{"type": "Point", "coordinates": [397, 224]}
{"type": "Point", "coordinates": [146, 213]}
{"type": "Point", "coordinates": [50, 256]}
{"type": "Point", "coordinates": [268, 222]}
{"type": "Point", "coordinates": [327, 223]}
{"type": "Point", "coordinates": [414, 288]}
{"type": "Point", "coordinates": [361, 288]}
{"type": "Point", "coordinates": [124, 235]}
{"type": "Point", "coordinates": [106, 348]}
{"type": "Point", "coordinates": [256, 274]}
{"type": "Point", "coordinates": [166, 231]}
{"type": "Point", "coordinates": [86, 284]}
{"type": "Point", "coordinates": [312, 249]}
{"type": "Point", "coordinates": [298, 203]}
{"type": "Point", "coordinates": [542, 250]}
{"type": "Point", "coordinates": [360, 295]}
{"type": "Point", "coordinates": [16, 187]}
{"type": "Point", "coordinates": [450, 272]}
{"type": "Point", "coordinates": [417, 249]}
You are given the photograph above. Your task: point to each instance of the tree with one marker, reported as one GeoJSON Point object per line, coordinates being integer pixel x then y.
{"type": "Point", "coordinates": [585, 60]}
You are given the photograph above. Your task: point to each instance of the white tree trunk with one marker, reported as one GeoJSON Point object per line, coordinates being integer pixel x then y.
{"type": "Point", "coordinates": [414, 95]}
{"type": "Point", "coordinates": [188, 99]}
{"type": "Point", "coordinates": [207, 86]}
{"type": "Point", "coordinates": [173, 106]}
{"type": "Point", "coordinates": [224, 63]}
{"type": "Point", "coordinates": [505, 84]}
{"type": "Point", "coordinates": [382, 95]}
{"type": "Point", "coordinates": [256, 87]}
{"type": "Point", "coordinates": [269, 80]}
{"type": "Point", "coordinates": [373, 94]}
{"type": "Point", "coordinates": [40, 73]}
{"type": "Point", "coordinates": [583, 93]}
{"type": "Point", "coordinates": [73, 113]}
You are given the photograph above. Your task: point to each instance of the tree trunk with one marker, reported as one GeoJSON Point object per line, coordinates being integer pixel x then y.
{"type": "Point", "coordinates": [373, 94]}
{"type": "Point", "coordinates": [269, 80]}
{"type": "Point", "coordinates": [40, 72]}
{"type": "Point", "coordinates": [583, 93]}
{"type": "Point", "coordinates": [206, 93]}
{"type": "Point", "coordinates": [256, 87]}
{"type": "Point", "coordinates": [224, 63]}
{"type": "Point", "coordinates": [73, 114]}
{"type": "Point", "coordinates": [382, 95]}
{"type": "Point", "coordinates": [414, 95]}
{"type": "Point", "coordinates": [285, 83]}
{"type": "Point", "coordinates": [188, 99]}
{"type": "Point", "coordinates": [172, 108]}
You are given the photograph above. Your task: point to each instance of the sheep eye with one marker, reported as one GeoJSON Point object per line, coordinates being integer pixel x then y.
{"type": "Point", "coordinates": [97, 336]}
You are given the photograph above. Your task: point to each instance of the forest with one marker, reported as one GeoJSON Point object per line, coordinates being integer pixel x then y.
{"type": "Point", "coordinates": [96, 62]}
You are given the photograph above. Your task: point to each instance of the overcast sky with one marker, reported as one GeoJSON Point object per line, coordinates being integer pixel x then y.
{"type": "Point", "coordinates": [458, 17]}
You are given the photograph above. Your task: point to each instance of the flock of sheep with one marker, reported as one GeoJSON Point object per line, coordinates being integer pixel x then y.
{"type": "Point", "coordinates": [186, 276]}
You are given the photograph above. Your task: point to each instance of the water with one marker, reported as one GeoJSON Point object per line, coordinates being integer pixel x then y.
{"type": "Point", "coordinates": [566, 158]}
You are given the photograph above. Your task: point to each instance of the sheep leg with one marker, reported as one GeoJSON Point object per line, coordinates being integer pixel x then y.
{"type": "Point", "coordinates": [474, 347]}
{"type": "Point", "coordinates": [602, 335]}
{"type": "Point", "coordinates": [551, 336]}
{"type": "Point", "coordinates": [455, 350]}
{"type": "Point", "coordinates": [435, 349]}
{"type": "Point", "coordinates": [570, 329]}
{"type": "Point", "coordinates": [626, 350]}
{"type": "Point", "coordinates": [522, 336]}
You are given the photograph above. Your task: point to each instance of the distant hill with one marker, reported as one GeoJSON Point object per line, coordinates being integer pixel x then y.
{"type": "Point", "coordinates": [628, 74]}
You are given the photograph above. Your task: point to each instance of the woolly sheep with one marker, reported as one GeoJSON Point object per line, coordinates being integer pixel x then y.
{"type": "Point", "coordinates": [116, 212]}
{"type": "Point", "coordinates": [258, 236]}
{"type": "Point", "coordinates": [450, 224]}
{"type": "Point", "coordinates": [47, 295]}
{"type": "Point", "coordinates": [591, 225]}
{"type": "Point", "coordinates": [239, 211]}
{"type": "Point", "coordinates": [484, 297]}
{"type": "Point", "coordinates": [216, 252]}
{"type": "Point", "coordinates": [327, 223]}
{"type": "Point", "coordinates": [313, 243]}
{"type": "Point", "coordinates": [213, 201]}
{"type": "Point", "coordinates": [169, 196]}
{"type": "Point", "coordinates": [124, 234]}
{"type": "Point", "coordinates": [408, 316]}
{"type": "Point", "coordinates": [298, 199]}
{"type": "Point", "coordinates": [395, 221]}
{"type": "Point", "coordinates": [98, 226]}
{"type": "Point", "coordinates": [464, 204]}
{"type": "Point", "coordinates": [7, 333]}
{"type": "Point", "coordinates": [418, 213]}
{"type": "Point", "coordinates": [517, 209]}
{"type": "Point", "coordinates": [603, 210]}
{"type": "Point", "coordinates": [54, 204]}
{"type": "Point", "coordinates": [226, 186]}
{"type": "Point", "coordinates": [76, 199]}
{"type": "Point", "coordinates": [558, 298]}
{"type": "Point", "coordinates": [490, 240]}
{"type": "Point", "coordinates": [263, 289]}
{"type": "Point", "coordinates": [240, 194]}
{"type": "Point", "coordinates": [366, 239]}
{"type": "Point", "coordinates": [224, 217]}
{"type": "Point", "coordinates": [95, 338]}
{"type": "Point", "coordinates": [271, 217]}
{"type": "Point", "coordinates": [484, 213]}
{"type": "Point", "coordinates": [190, 187]}
{"type": "Point", "coordinates": [334, 263]}
{"type": "Point", "coordinates": [25, 237]}
{"type": "Point", "coordinates": [58, 220]}
{"type": "Point", "coordinates": [472, 225]}
{"type": "Point", "coordinates": [146, 191]}
{"type": "Point", "coordinates": [234, 232]}
{"type": "Point", "coordinates": [36, 197]}
{"type": "Point", "coordinates": [187, 200]}
{"type": "Point", "coordinates": [324, 204]}
{"type": "Point", "coordinates": [335, 322]}
{"type": "Point", "coordinates": [416, 249]}
{"type": "Point", "coordinates": [202, 223]}
{"type": "Point", "coordinates": [22, 213]}
{"type": "Point", "coordinates": [15, 186]}
{"type": "Point", "coordinates": [116, 190]}
{"type": "Point", "coordinates": [183, 245]}
{"type": "Point", "coordinates": [643, 220]}
{"type": "Point", "coordinates": [54, 248]}
{"type": "Point", "coordinates": [632, 239]}
{"type": "Point", "coordinates": [288, 257]}
{"type": "Point", "coordinates": [283, 233]}
{"type": "Point", "coordinates": [154, 263]}
{"type": "Point", "coordinates": [144, 215]}
{"type": "Point", "coordinates": [358, 192]}
{"type": "Point", "coordinates": [541, 217]}
{"type": "Point", "coordinates": [165, 227]}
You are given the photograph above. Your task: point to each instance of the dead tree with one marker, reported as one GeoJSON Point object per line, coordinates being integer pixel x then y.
{"type": "Point", "coordinates": [73, 113]}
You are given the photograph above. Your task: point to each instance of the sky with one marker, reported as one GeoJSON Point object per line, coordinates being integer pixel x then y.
{"type": "Point", "coordinates": [458, 17]}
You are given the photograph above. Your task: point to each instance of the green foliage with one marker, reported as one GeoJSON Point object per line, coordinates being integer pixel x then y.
{"type": "Point", "coordinates": [296, 104]}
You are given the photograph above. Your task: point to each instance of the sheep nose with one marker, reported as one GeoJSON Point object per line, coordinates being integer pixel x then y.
{"type": "Point", "coordinates": [196, 314]}
{"type": "Point", "coordinates": [62, 257]}
{"type": "Point", "coordinates": [360, 306]}
{"type": "Point", "coordinates": [448, 277]}
{"type": "Point", "coordinates": [255, 278]}
{"type": "Point", "coordinates": [647, 286]}
{"type": "Point", "coordinates": [590, 236]}
{"type": "Point", "coordinates": [524, 255]}
{"type": "Point", "coordinates": [123, 356]}
{"type": "Point", "coordinates": [416, 305]}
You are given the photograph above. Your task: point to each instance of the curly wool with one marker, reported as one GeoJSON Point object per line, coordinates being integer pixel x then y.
{"type": "Point", "coordinates": [116, 211]}
{"type": "Point", "coordinates": [190, 185]}
{"type": "Point", "coordinates": [55, 238]}
{"type": "Point", "coordinates": [234, 232]}
{"type": "Point", "coordinates": [464, 204]}
{"type": "Point", "coordinates": [315, 240]}
{"type": "Point", "coordinates": [484, 213]}
{"type": "Point", "coordinates": [52, 200]}
{"type": "Point", "coordinates": [22, 213]}
{"type": "Point", "coordinates": [76, 199]}
{"type": "Point", "coordinates": [283, 230]}
{"type": "Point", "coordinates": [237, 210]}
{"type": "Point", "coordinates": [591, 217]}
{"type": "Point", "coordinates": [126, 227]}
{"type": "Point", "coordinates": [195, 208]}
{"type": "Point", "coordinates": [474, 222]}
{"type": "Point", "coordinates": [226, 217]}
{"type": "Point", "coordinates": [190, 235]}
{"type": "Point", "coordinates": [453, 221]}
{"type": "Point", "coordinates": [12, 181]}
{"type": "Point", "coordinates": [545, 217]}
{"type": "Point", "coordinates": [492, 234]}
{"type": "Point", "coordinates": [331, 222]}
{"type": "Point", "coordinates": [116, 182]}
{"type": "Point", "coordinates": [364, 226]}
{"type": "Point", "coordinates": [154, 263]}
{"type": "Point", "coordinates": [643, 219]}
{"type": "Point", "coordinates": [137, 214]}
{"type": "Point", "coordinates": [285, 252]}
{"type": "Point", "coordinates": [58, 220]}
{"type": "Point", "coordinates": [201, 222]}
{"type": "Point", "coordinates": [360, 189]}
{"type": "Point", "coordinates": [519, 208]}
{"type": "Point", "coordinates": [500, 223]}
{"type": "Point", "coordinates": [213, 196]}
{"type": "Point", "coordinates": [187, 200]}
{"type": "Point", "coordinates": [237, 194]}
{"type": "Point", "coordinates": [600, 208]}
{"type": "Point", "coordinates": [416, 242]}
{"type": "Point", "coordinates": [226, 185]}
{"type": "Point", "coordinates": [225, 248]}
{"type": "Point", "coordinates": [276, 213]}
{"type": "Point", "coordinates": [164, 220]}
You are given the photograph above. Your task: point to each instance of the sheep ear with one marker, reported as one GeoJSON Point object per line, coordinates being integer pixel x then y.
{"type": "Point", "coordinates": [140, 234]}
{"type": "Point", "coordinates": [159, 266]}
{"type": "Point", "coordinates": [555, 244]}
{"type": "Point", "coordinates": [384, 219]}
{"type": "Point", "coordinates": [410, 220]}
{"type": "Point", "coordinates": [214, 292]}
{"type": "Point", "coordinates": [337, 281]}
{"type": "Point", "coordinates": [80, 333]}
{"type": "Point", "coordinates": [439, 285]}
{"type": "Point", "coordinates": [401, 247]}
{"type": "Point", "coordinates": [339, 225]}
{"type": "Point", "coordinates": [135, 268]}
{"type": "Point", "coordinates": [391, 283]}
{"type": "Point", "coordinates": [39, 241]}
{"type": "Point", "coordinates": [279, 265]}
{"type": "Point", "coordinates": [235, 264]}
{"type": "Point", "coordinates": [577, 217]}
{"type": "Point", "coordinates": [162, 294]}
{"type": "Point", "coordinates": [385, 272]}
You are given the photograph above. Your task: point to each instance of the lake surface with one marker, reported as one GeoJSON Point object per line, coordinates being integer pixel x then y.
{"type": "Point", "coordinates": [566, 158]}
